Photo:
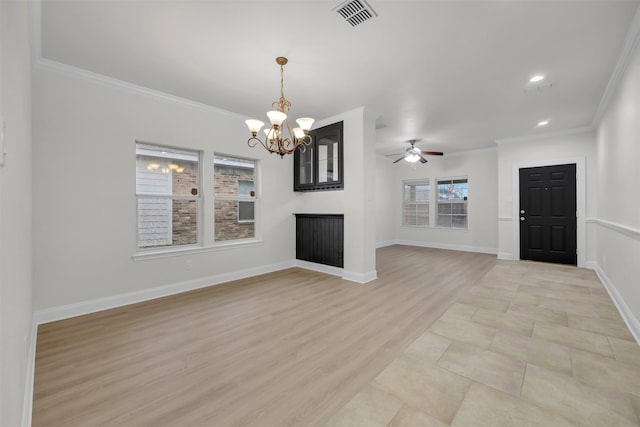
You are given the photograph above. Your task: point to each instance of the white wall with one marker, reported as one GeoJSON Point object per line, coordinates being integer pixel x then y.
{"type": "Point", "coordinates": [15, 210]}
{"type": "Point", "coordinates": [84, 191]}
{"type": "Point", "coordinates": [385, 201]}
{"type": "Point", "coordinates": [480, 167]}
{"type": "Point", "coordinates": [618, 221]}
{"type": "Point", "coordinates": [357, 200]}
{"type": "Point", "coordinates": [550, 150]}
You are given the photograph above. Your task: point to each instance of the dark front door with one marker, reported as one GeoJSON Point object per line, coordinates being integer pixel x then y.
{"type": "Point", "coordinates": [548, 214]}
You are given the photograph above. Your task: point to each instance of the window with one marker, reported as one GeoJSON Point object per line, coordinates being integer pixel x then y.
{"type": "Point", "coordinates": [452, 202]}
{"type": "Point", "coordinates": [168, 196]}
{"type": "Point", "coordinates": [415, 203]}
{"type": "Point", "coordinates": [234, 198]}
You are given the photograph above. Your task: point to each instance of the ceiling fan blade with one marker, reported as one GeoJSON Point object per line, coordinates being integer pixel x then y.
{"type": "Point", "coordinates": [433, 153]}
{"type": "Point", "coordinates": [394, 154]}
{"type": "Point", "coordinates": [401, 158]}
{"type": "Point", "coordinates": [423, 160]}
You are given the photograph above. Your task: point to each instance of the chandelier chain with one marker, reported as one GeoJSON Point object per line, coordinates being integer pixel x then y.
{"type": "Point", "coordinates": [283, 104]}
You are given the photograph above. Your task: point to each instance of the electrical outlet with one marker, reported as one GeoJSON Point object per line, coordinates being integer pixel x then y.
{"type": "Point", "coordinates": [188, 264]}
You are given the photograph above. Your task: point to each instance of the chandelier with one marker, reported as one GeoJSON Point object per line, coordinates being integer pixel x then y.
{"type": "Point", "coordinates": [280, 138]}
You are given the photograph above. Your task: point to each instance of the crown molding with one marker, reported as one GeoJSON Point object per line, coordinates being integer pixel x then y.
{"type": "Point", "coordinates": [630, 43]}
{"type": "Point", "coordinates": [529, 138]}
{"type": "Point", "coordinates": [89, 76]}
{"type": "Point", "coordinates": [41, 63]}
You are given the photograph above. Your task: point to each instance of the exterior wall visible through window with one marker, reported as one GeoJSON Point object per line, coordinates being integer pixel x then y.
{"type": "Point", "coordinates": [168, 196]}
{"type": "Point", "coordinates": [235, 198]}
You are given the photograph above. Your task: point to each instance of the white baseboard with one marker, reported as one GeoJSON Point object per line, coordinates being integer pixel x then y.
{"type": "Point", "coordinates": [72, 310]}
{"type": "Point", "coordinates": [506, 256]}
{"type": "Point", "coordinates": [100, 304]}
{"type": "Point", "coordinates": [337, 271]}
{"type": "Point", "coordinates": [384, 244]}
{"type": "Point", "coordinates": [321, 268]}
{"type": "Point", "coordinates": [360, 277]}
{"type": "Point", "coordinates": [27, 404]}
{"type": "Point", "coordinates": [591, 265]}
{"type": "Point", "coordinates": [627, 315]}
{"type": "Point", "coordinates": [452, 247]}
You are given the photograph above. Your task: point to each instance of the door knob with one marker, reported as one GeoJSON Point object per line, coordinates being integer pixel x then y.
{"type": "Point", "coordinates": [521, 218]}
{"type": "Point", "coordinates": [521, 211]}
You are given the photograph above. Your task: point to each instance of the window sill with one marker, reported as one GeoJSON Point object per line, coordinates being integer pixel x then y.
{"type": "Point", "coordinates": [189, 250]}
{"type": "Point", "coordinates": [450, 229]}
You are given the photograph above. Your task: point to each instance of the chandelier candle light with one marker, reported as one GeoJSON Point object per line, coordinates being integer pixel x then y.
{"type": "Point", "coordinates": [280, 138]}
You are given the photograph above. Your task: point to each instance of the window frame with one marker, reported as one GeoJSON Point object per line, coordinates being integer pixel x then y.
{"type": "Point", "coordinates": [238, 198]}
{"type": "Point", "coordinates": [417, 182]}
{"type": "Point", "coordinates": [464, 201]}
{"type": "Point", "coordinates": [140, 147]}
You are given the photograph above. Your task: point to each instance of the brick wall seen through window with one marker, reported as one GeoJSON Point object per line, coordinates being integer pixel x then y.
{"type": "Point", "coordinates": [235, 198]}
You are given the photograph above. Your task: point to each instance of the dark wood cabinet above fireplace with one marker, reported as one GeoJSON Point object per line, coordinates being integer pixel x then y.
{"type": "Point", "coordinates": [321, 166]}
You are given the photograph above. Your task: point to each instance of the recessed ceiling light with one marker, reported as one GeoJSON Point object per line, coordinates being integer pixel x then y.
{"type": "Point", "coordinates": [536, 78]}
{"type": "Point", "coordinates": [543, 123]}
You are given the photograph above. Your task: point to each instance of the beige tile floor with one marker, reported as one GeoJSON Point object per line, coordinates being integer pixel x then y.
{"type": "Point", "coordinates": [530, 344]}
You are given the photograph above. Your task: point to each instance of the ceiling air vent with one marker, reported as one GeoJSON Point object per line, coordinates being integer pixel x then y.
{"type": "Point", "coordinates": [355, 12]}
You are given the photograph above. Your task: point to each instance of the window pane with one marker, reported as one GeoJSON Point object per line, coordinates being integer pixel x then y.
{"type": "Point", "coordinates": [422, 219]}
{"type": "Point", "coordinates": [154, 222]}
{"type": "Point", "coordinates": [184, 224]}
{"type": "Point", "coordinates": [167, 193]}
{"type": "Point", "coordinates": [245, 211]}
{"type": "Point", "coordinates": [161, 170]}
{"type": "Point", "coordinates": [452, 189]}
{"type": "Point", "coordinates": [306, 166]}
{"type": "Point", "coordinates": [444, 221]}
{"type": "Point", "coordinates": [452, 202]}
{"type": "Point", "coordinates": [407, 192]}
{"type": "Point", "coordinates": [459, 221]}
{"type": "Point", "coordinates": [227, 223]}
{"type": "Point", "coordinates": [167, 222]}
{"type": "Point", "coordinates": [328, 158]}
{"type": "Point", "coordinates": [444, 208]}
{"type": "Point", "coordinates": [415, 210]}
{"type": "Point", "coordinates": [422, 193]}
{"type": "Point", "coordinates": [245, 188]}
{"type": "Point", "coordinates": [234, 198]}
{"type": "Point", "coordinates": [459, 208]}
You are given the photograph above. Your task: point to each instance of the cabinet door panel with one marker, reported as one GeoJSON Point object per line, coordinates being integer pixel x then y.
{"type": "Point", "coordinates": [320, 166]}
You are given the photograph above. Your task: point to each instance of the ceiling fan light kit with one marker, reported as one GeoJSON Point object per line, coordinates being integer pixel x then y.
{"type": "Point", "coordinates": [413, 154]}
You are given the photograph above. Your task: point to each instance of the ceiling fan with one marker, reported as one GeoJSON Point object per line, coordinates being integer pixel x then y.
{"type": "Point", "coordinates": [414, 154]}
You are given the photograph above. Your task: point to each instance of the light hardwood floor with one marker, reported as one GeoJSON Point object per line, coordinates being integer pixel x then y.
{"type": "Point", "coordinates": [437, 338]}
{"type": "Point", "coordinates": [287, 348]}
